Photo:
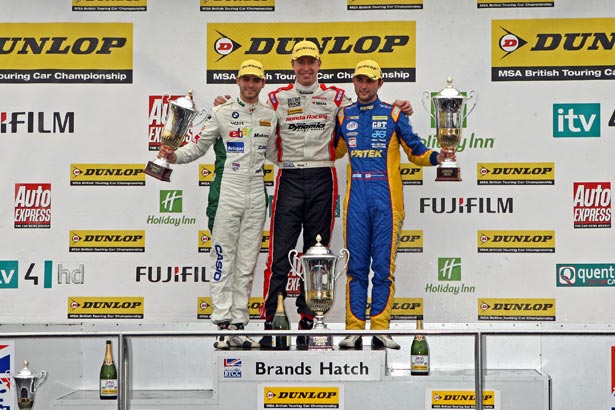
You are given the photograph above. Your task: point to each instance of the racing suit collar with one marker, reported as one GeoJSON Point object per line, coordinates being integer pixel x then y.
{"type": "Point", "coordinates": [368, 106]}
{"type": "Point", "coordinates": [302, 89]}
{"type": "Point", "coordinates": [246, 106]}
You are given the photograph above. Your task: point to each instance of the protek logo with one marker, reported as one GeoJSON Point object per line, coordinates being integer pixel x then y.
{"type": "Point", "coordinates": [576, 120]}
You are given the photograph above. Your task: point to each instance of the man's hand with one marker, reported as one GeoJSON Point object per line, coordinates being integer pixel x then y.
{"type": "Point", "coordinates": [442, 155]}
{"type": "Point", "coordinates": [168, 153]}
{"type": "Point", "coordinates": [221, 99]}
{"type": "Point", "coordinates": [404, 106]}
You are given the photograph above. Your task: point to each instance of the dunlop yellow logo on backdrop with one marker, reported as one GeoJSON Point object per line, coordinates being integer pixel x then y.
{"type": "Point", "coordinates": [109, 5]}
{"type": "Point", "coordinates": [384, 4]}
{"type": "Point", "coordinates": [552, 49]}
{"type": "Point", "coordinates": [237, 5]}
{"type": "Point", "coordinates": [392, 44]}
{"type": "Point", "coordinates": [90, 307]}
{"type": "Point", "coordinates": [410, 241]}
{"type": "Point", "coordinates": [521, 309]}
{"type": "Point", "coordinates": [510, 241]}
{"type": "Point", "coordinates": [515, 173]}
{"type": "Point", "coordinates": [106, 241]}
{"type": "Point", "coordinates": [460, 399]}
{"type": "Point", "coordinates": [66, 52]}
{"type": "Point", "coordinates": [301, 397]}
{"type": "Point", "coordinates": [514, 3]}
{"type": "Point", "coordinates": [107, 174]}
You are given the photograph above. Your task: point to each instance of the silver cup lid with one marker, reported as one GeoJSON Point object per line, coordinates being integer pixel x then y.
{"type": "Point", "coordinates": [185, 102]}
{"type": "Point", "coordinates": [449, 91]}
{"type": "Point", "coordinates": [25, 372]}
{"type": "Point", "coordinates": [318, 249]}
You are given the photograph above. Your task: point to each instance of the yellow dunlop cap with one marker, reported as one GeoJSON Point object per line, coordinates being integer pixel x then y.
{"type": "Point", "coordinates": [368, 68]}
{"type": "Point", "coordinates": [251, 67]}
{"type": "Point", "coordinates": [305, 48]}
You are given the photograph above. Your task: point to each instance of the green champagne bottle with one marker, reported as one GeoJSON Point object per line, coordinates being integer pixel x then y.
{"type": "Point", "coordinates": [419, 353]}
{"type": "Point", "coordinates": [280, 322]}
{"type": "Point", "coordinates": [108, 376]}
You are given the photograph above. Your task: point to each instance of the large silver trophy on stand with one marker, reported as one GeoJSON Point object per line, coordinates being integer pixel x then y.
{"type": "Point", "coordinates": [27, 383]}
{"type": "Point", "coordinates": [449, 107]}
{"type": "Point", "coordinates": [180, 115]}
{"type": "Point", "coordinates": [317, 268]}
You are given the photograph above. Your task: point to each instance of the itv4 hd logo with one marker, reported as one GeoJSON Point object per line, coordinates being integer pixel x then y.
{"type": "Point", "coordinates": [576, 120]}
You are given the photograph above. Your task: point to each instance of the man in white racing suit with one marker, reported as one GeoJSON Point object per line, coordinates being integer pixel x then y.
{"type": "Point", "coordinates": [242, 132]}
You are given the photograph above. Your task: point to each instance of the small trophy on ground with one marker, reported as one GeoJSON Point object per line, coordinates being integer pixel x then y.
{"type": "Point", "coordinates": [449, 106]}
{"type": "Point", "coordinates": [317, 268]}
{"type": "Point", "coordinates": [181, 113]}
{"type": "Point", "coordinates": [27, 383]}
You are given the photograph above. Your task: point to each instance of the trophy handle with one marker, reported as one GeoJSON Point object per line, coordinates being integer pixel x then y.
{"type": "Point", "coordinates": [202, 116]}
{"type": "Point", "coordinates": [344, 253]}
{"type": "Point", "coordinates": [41, 379]}
{"type": "Point", "coordinates": [426, 100]}
{"type": "Point", "coordinates": [472, 96]}
{"type": "Point", "coordinates": [294, 260]}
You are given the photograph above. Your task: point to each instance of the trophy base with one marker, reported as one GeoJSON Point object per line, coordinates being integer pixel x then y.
{"type": "Point", "coordinates": [448, 174]}
{"type": "Point", "coordinates": [157, 171]}
{"type": "Point", "coordinates": [320, 342]}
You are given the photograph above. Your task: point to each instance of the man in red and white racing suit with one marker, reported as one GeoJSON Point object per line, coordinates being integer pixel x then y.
{"type": "Point", "coordinates": [306, 183]}
{"type": "Point", "coordinates": [242, 132]}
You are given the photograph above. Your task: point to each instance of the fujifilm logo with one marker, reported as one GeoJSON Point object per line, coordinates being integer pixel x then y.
{"type": "Point", "coordinates": [576, 120]}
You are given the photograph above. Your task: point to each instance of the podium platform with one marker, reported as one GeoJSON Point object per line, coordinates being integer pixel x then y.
{"type": "Point", "coordinates": [352, 380]}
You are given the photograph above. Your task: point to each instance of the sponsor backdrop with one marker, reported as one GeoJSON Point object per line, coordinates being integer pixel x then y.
{"type": "Point", "coordinates": [526, 236]}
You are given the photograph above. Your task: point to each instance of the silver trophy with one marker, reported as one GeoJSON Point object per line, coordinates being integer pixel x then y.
{"type": "Point", "coordinates": [317, 268]}
{"type": "Point", "coordinates": [449, 107]}
{"type": "Point", "coordinates": [180, 115]}
{"type": "Point", "coordinates": [27, 383]}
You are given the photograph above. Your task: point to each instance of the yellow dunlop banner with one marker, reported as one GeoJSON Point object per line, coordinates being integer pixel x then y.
{"type": "Point", "coordinates": [90, 307]}
{"type": "Point", "coordinates": [515, 173]}
{"type": "Point", "coordinates": [383, 4]}
{"type": "Point", "coordinates": [516, 241]}
{"type": "Point", "coordinates": [237, 5]}
{"type": "Point", "coordinates": [514, 3]}
{"type": "Point", "coordinates": [204, 242]}
{"type": "Point", "coordinates": [410, 241]}
{"type": "Point", "coordinates": [265, 242]}
{"type": "Point", "coordinates": [206, 174]}
{"type": "Point", "coordinates": [107, 174]}
{"type": "Point", "coordinates": [66, 53]}
{"type": "Point", "coordinates": [109, 5]}
{"type": "Point", "coordinates": [460, 399]}
{"type": "Point", "coordinates": [411, 174]}
{"type": "Point", "coordinates": [407, 309]}
{"type": "Point", "coordinates": [516, 309]}
{"type": "Point", "coordinates": [392, 44]}
{"type": "Point", "coordinates": [106, 241]}
{"type": "Point", "coordinates": [552, 49]}
{"type": "Point", "coordinates": [204, 308]}
{"type": "Point", "coordinates": [303, 397]}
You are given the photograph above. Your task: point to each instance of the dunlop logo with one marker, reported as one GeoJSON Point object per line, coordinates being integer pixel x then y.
{"type": "Point", "coordinates": [516, 241]}
{"type": "Point", "coordinates": [553, 49]}
{"type": "Point", "coordinates": [392, 43]}
{"type": "Point", "coordinates": [105, 307]}
{"type": "Point", "coordinates": [107, 174]}
{"type": "Point", "coordinates": [516, 309]}
{"type": "Point", "coordinates": [66, 52]}
{"type": "Point", "coordinates": [106, 241]}
{"type": "Point", "coordinates": [515, 173]}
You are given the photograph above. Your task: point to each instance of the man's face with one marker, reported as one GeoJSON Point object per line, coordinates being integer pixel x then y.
{"type": "Point", "coordinates": [306, 69]}
{"type": "Point", "coordinates": [249, 87]}
{"type": "Point", "coordinates": [366, 88]}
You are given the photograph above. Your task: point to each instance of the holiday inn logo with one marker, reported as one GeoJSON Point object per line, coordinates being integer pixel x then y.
{"type": "Point", "coordinates": [449, 278]}
{"type": "Point", "coordinates": [171, 201]}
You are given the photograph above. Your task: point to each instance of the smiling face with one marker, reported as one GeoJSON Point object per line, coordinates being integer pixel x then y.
{"type": "Point", "coordinates": [250, 87]}
{"type": "Point", "coordinates": [366, 88]}
{"type": "Point", "coordinates": [306, 70]}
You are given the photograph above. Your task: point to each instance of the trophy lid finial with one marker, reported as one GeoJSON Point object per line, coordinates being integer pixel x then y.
{"type": "Point", "coordinates": [318, 238]}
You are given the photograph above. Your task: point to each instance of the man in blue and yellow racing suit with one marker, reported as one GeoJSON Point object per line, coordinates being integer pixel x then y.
{"type": "Point", "coordinates": [372, 132]}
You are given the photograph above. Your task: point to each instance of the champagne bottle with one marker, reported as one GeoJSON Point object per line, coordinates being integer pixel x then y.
{"type": "Point", "coordinates": [419, 353]}
{"type": "Point", "coordinates": [108, 376]}
{"type": "Point", "coordinates": [280, 322]}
